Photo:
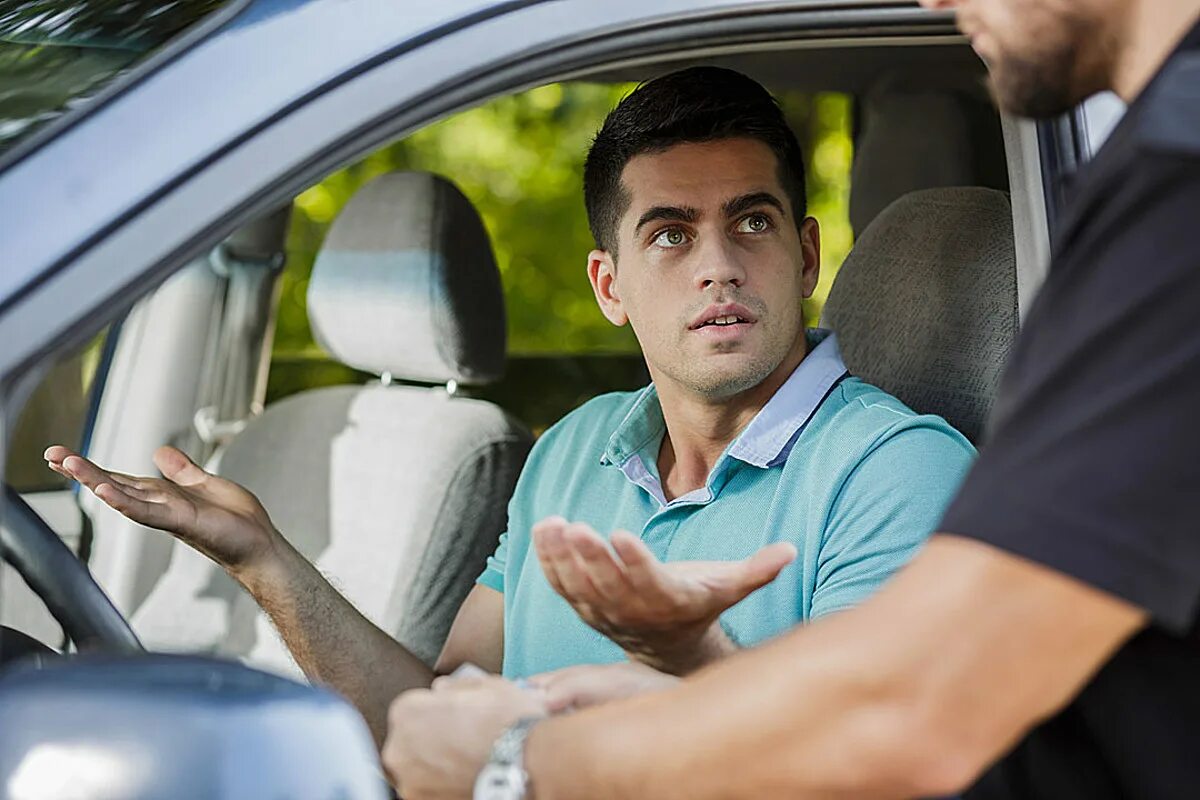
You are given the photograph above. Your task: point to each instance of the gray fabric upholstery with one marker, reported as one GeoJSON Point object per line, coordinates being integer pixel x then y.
{"type": "Point", "coordinates": [925, 305]}
{"type": "Point", "coordinates": [911, 138]}
{"type": "Point", "coordinates": [406, 284]}
{"type": "Point", "coordinates": [397, 493]}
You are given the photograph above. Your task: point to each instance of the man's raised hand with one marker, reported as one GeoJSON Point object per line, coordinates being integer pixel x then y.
{"type": "Point", "coordinates": [213, 515]}
{"type": "Point", "coordinates": [662, 614]}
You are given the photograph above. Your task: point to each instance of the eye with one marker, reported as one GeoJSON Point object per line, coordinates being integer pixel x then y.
{"type": "Point", "coordinates": [670, 237]}
{"type": "Point", "coordinates": [754, 223]}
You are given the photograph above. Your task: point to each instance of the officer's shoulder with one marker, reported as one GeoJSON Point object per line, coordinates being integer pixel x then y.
{"type": "Point", "coordinates": [1169, 120]}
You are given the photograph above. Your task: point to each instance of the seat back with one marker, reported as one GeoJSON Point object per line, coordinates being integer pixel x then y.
{"type": "Point", "coordinates": [925, 305]}
{"type": "Point", "coordinates": [396, 492]}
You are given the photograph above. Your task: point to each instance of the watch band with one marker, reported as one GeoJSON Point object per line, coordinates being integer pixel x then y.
{"type": "Point", "coordinates": [504, 777]}
{"type": "Point", "coordinates": [510, 745]}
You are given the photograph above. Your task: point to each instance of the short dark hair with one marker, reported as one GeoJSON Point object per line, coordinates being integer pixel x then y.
{"type": "Point", "coordinates": [699, 104]}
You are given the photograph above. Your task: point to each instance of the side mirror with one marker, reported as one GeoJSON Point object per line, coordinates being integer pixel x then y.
{"type": "Point", "coordinates": [158, 726]}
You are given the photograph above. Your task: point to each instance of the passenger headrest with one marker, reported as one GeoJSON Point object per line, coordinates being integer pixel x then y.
{"type": "Point", "coordinates": [925, 306]}
{"type": "Point", "coordinates": [406, 283]}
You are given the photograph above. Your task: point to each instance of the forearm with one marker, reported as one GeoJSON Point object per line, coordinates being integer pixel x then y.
{"type": "Point", "coordinates": [911, 694]}
{"type": "Point", "coordinates": [332, 642]}
{"type": "Point", "coordinates": [791, 719]}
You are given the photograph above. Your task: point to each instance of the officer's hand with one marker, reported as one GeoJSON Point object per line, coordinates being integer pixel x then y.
{"type": "Point", "coordinates": [592, 684]}
{"type": "Point", "coordinates": [664, 615]}
{"type": "Point", "coordinates": [438, 740]}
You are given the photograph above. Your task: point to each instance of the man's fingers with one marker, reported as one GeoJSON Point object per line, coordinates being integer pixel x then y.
{"type": "Point", "coordinates": [607, 574]}
{"type": "Point", "coordinates": [558, 566]}
{"type": "Point", "coordinates": [641, 567]}
{"type": "Point", "coordinates": [56, 454]}
{"type": "Point", "coordinates": [546, 539]}
{"type": "Point", "coordinates": [565, 575]}
{"type": "Point", "coordinates": [154, 515]}
{"type": "Point", "coordinates": [178, 468]}
{"type": "Point", "coordinates": [85, 471]}
{"type": "Point", "coordinates": [549, 524]}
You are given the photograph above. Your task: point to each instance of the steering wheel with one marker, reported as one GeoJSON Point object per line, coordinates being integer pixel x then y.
{"type": "Point", "coordinates": [62, 581]}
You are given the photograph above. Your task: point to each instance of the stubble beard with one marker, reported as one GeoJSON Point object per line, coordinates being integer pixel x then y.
{"type": "Point", "coordinates": [1051, 82]}
{"type": "Point", "coordinates": [714, 383]}
{"type": "Point", "coordinates": [1035, 89]}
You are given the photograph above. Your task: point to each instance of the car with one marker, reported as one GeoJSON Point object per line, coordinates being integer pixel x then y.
{"type": "Point", "coordinates": [147, 185]}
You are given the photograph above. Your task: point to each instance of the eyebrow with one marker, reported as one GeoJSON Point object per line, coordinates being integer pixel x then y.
{"type": "Point", "coordinates": [672, 213]}
{"type": "Point", "coordinates": [748, 201]}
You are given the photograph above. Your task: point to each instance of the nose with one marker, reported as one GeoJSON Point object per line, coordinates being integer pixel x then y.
{"type": "Point", "coordinates": [719, 264]}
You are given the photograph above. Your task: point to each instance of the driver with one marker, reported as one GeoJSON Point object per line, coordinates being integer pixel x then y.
{"type": "Point", "coordinates": [752, 448]}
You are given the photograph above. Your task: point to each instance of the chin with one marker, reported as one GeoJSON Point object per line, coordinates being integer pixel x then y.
{"type": "Point", "coordinates": [1027, 91]}
{"type": "Point", "coordinates": [720, 384]}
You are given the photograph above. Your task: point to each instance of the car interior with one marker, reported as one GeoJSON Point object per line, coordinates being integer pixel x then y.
{"type": "Point", "coordinates": [389, 460]}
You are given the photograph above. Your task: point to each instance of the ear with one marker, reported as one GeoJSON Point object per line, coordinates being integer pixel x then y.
{"type": "Point", "coordinates": [602, 273]}
{"type": "Point", "coordinates": [810, 248]}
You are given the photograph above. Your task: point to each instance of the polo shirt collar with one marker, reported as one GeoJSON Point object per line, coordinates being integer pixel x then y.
{"type": "Point", "coordinates": [767, 440]}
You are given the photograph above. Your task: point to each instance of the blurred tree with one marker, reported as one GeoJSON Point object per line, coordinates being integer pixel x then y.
{"type": "Point", "coordinates": [519, 158]}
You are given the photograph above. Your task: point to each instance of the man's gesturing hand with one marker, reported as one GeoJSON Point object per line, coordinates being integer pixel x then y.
{"type": "Point", "coordinates": [213, 515]}
{"type": "Point", "coordinates": [664, 615]}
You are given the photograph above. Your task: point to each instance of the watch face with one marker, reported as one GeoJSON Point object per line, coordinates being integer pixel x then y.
{"type": "Point", "coordinates": [500, 782]}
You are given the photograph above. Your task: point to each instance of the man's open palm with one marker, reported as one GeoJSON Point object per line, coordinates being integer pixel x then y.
{"type": "Point", "coordinates": [213, 515]}
{"type": "Point", "coordinates": [659, 613]}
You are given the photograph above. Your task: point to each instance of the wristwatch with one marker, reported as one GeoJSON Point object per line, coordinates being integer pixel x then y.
{"type": "Point", "coordinates": [504, 777]}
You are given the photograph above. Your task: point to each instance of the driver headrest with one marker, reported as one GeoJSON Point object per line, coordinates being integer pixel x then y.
{"type": "Point", "coordinates": [406, 284]}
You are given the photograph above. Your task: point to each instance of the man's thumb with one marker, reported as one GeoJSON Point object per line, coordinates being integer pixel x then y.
{"type": "Point", "coordinates": [767, 563]}
{"type": "Point", "coordinates": [177, 467]}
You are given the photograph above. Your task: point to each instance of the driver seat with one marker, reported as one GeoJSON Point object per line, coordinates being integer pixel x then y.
{"type": "Point", "coordinates": [396, 491]}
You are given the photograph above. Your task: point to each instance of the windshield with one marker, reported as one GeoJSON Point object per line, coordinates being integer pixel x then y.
{"type": "Point", "coordinates": [55, 55]}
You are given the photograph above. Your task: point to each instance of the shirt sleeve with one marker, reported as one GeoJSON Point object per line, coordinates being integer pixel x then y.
{"type": "Point", "coordinates": [1093, 464]}
{"type": "Point", "coordinates": [885, 509]}
{"type": "Point", "coordinates": [493, 574]}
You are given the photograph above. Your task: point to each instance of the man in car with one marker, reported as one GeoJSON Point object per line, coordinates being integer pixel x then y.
{"type": "Point", "coordinates": [1047, 643]}
{"type": "Point", "coordinates": [752, 439]}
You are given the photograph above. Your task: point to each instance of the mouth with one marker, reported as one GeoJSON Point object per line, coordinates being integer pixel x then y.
{"type": "Point", "coordinates": [726, 316]}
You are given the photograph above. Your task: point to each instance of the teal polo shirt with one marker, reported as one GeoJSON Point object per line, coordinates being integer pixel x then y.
{"type": "Point", "coordinates": [844, 471]}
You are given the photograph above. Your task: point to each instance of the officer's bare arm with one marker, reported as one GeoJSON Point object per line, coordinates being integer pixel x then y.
{"type": "Point", "coordinates": [912, 694]}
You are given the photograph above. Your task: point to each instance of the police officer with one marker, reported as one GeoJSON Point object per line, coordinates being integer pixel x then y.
{"type": "Point", "coordinates": [1046, 644]}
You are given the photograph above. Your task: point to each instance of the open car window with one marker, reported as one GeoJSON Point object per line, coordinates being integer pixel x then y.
{"type": "Point", "coordinates": [519, 159]}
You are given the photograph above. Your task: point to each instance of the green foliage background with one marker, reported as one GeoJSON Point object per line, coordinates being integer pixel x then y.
{"type": "Point", "coordinates": [519, 158]}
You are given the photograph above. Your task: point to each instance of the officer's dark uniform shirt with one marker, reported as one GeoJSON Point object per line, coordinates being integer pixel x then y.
{"type": "Point", "coordinates": [1093, 463]}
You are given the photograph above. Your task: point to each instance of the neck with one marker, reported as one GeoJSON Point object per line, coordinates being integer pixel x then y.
{"type": "Point", "coordinates": [1149, 31]}
{"type": "Point", "coordinates": [700, 428]}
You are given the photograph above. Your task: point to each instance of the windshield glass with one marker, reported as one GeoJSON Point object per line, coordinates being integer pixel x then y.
{"type": "Point", "coordinates": [55, 55]}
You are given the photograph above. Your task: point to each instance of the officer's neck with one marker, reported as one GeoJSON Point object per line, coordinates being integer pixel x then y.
{"type": "Point", "coordinates": [1147, 36]}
